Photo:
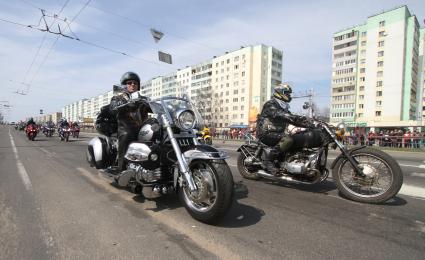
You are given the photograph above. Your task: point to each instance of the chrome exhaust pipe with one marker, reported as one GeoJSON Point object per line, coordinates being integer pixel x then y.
{"type": "Point", "coordinates": [269, 176]}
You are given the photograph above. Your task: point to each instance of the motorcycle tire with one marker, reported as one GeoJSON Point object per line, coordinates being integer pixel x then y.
{"type": "Point", "coordinates": [386, 160]}
{"type": "Point", "coordinates": [223, 183]}
{"type": "Point", "coordinates": [243, 171]}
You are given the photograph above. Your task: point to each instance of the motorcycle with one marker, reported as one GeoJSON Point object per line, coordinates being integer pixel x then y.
{"type": "Point", "coordinates": [167, 159]}
{"type": "Point", "coordinates": [31, 131]}
{"type": "Point", "coordinates": [204, 136]}
{"type": "Point", "coordinates": [361, 173]}
{"type": "Point", "coordinates": [64, 133]}
{"type": "Point", "coordinates": [75, 131]}
{"type": "Point", "coordinates": [48, 131]}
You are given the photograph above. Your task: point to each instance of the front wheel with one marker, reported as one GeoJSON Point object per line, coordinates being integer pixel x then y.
{"type": "Point", "coordinates": [382, 181]}
{"type": "Point", "coordinates": [215, 191]}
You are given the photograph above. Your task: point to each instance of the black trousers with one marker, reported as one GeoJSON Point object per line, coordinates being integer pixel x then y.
{"type": "Point", "coordinates": [126, 134]}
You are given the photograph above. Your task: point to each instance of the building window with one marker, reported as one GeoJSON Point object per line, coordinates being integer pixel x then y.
{"type": "Point", "coordinates": [364, 34]}
{"type": "Point", "coordinates": [382, 33]}
{"type": "Point", "coordinates": [361, 105]}
{"type": "Point", "coordinates": [362, 61]}
{"type": "Point", "coordinates": [378, 103]}
{"type": "Point", "coordinates": [380, 64]}
{"type": "Point", "coordinates": [381, 23]}
{"type": "Point", "coordinates": [362, 79]}
{"type": "Point", "coordinates": [363, 43]}
{"type": "Point", "coordinates": [380, 73]}
{"type": "Point", "coordinates": [379, 93]}
{"type": "Point", "coordinates": [377, 113]}
{"type": "Point", "coordinates": [363, 52]}
{"type": "Point", "coordinates": [362, 70]}
{"type": "Point", "coordinates": [360, 114]}
{"type": "Point", "coordinates": [361, 97]}
{"type": "Point", "coordinates": [381, 44]}
{"type": "Point", "coordinates": [361, 88]}
{"type": "Point", "coordinates": [228, 61]}
{"type": "Point", "coordinates": [243, 73]}
{"type": "Point", "coordinates": [379, 83]}
{"type": "Point", "coordinates": [381, 53]}
{"type": "Point", "coordinates": [236, 67]}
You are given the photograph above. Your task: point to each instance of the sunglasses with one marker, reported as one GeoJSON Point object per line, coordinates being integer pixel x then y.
{"type": "Point", "coordinates": [132, 82]}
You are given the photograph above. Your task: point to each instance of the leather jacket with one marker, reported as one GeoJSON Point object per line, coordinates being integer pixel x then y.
{"type": "Point", "coordinates": [127, 115]}
{"type": "Point", "coordinates": [275, 117]}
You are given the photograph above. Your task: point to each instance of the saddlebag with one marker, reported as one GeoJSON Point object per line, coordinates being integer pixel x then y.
{"type": "Point", "coordinates": [106, 122]}
{"type": "Point", "coordinates": [100, 153]}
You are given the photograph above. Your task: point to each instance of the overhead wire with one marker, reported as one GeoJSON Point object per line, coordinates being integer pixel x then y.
{"type": "Point", "coordinates": [42, 41]}
{"type": "Point", "coordinates": [56, 40]}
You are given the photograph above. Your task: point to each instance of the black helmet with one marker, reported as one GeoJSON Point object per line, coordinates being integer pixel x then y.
{"type": "Point", "coordinates": [283, 92]}
{"type": "Point", "coordinates": [130, 76]}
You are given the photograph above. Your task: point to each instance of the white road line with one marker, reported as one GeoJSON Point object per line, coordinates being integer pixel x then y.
{"type": "Point", "coordinates": [417, 174]}
{"type": "Point", "coordinates": [21, 169]}
{"type": "Point", "coordinates": [410, 165]}
{"type": "Point", "coordinates": [413, 191]}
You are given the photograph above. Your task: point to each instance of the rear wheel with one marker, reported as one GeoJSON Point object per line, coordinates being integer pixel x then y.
{"type": "Point", "coordinates": [382, 181]}
{"type": "Point", "coordinates": [215, 191]}
{"type": "Point", "coordinates": [248, 172]}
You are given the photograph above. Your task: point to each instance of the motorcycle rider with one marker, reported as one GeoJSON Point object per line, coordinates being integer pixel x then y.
{"type": "Point", "coordinates": [273, 121]}
{"type": "Point", "coordinates": [63, 123]}
{"type": "Point", "coordinates": [128, 117]}
{"type": "Point", "coordinates": [30, 122]}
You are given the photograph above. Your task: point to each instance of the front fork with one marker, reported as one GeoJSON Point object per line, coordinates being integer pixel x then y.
{"type": "Point", "coordinates": [183, 166]}
{"type": "Point", "coordinates": [347, 154]}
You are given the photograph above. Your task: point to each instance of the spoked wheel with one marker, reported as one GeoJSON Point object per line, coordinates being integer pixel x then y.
{"type": "Point", "coordinates": [215, 191]}
{"type": "Point", "coordinates": [382, 181]}
{"type": "Point", "coordinates": [248, 172]}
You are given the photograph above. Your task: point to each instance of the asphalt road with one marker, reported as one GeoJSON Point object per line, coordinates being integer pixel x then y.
{"type": "Point", "coordinates": [54, 206]}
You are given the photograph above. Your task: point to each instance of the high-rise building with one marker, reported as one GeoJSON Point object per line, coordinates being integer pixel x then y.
{"type": "Point", "coordinates": [376, 71]}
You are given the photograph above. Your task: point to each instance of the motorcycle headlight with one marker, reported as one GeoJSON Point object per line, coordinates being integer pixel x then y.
{"type": "Point", "coordinates": [186, 119]}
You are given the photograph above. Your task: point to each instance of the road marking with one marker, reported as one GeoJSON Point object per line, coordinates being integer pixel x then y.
{"type": "Point", "coordinates": [410, 165]}
{"type": "Point", "coordinates": [413, 191]}
{"type": "Point", "coordinates": [21, 169]}
{"type": "Point", "coordinates": [417, 174]}
{"type": "Point", "coordinates": [47, 152]}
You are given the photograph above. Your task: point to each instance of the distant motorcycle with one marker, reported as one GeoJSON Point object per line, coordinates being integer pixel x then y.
{"type": "Point", "coordinates": [64, 133]}
{"type": "Point", "coordinates": [361, 174]}
{"type": "Point", "coordinates": [31, 131]}
{"type": "Point", "coordinates": [75, 131]}
{"type": "Point", "coordinates": [48, 131]}
{"type": "Point", "coordinates": [167, 159]}
{"type": "Point", "coordinates": [204, 136]}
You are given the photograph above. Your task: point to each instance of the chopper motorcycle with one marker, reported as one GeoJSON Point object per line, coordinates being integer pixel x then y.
{"type": "Point", "coordinates": [167, 159]}
{"type": "Point", "coordinates": [361, 174]}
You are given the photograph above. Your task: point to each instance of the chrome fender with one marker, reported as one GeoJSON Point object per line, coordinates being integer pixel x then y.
{"type": "Point", "coordinates": [204, 152]}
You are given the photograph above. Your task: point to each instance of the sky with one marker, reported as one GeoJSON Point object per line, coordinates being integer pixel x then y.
{"type": "Point", "coordinates": [114, 37]}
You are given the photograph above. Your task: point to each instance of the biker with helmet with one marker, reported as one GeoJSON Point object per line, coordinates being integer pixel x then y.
{"type": "Point", "coordinates": [128, 117]}
{"type": "Point", "coordinates": [273, 121]}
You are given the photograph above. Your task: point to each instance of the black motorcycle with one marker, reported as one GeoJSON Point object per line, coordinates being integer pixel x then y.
{"type": "Point", "coordinates": [167, 158]}
{"type": "Point", "coordinates": [361, 174]}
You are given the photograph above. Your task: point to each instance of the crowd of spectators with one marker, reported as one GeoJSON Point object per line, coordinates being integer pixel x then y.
{"type": "Point", "coordinates": [389, 138]}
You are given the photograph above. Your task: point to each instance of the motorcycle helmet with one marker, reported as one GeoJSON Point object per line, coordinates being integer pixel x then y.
{"type": "Point", "coordinates": [130, 76]}
{"type": "Point", "coordinates": [283, 92]}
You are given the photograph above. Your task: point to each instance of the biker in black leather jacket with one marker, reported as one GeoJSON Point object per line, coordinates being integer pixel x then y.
{"type": "Point", "coordinates": [274, 119]}
{"type": "Point", "coordinates": [129, 117]}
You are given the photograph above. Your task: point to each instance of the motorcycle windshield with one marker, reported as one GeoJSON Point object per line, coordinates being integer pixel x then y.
{"type": "Point", "coordinates": [169, 106]}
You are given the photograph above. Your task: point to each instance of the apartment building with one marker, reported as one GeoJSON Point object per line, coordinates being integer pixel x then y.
{"type": "Point", "coordinates": [228, 90]}
{"type": "Point", "coordinates": [375, 76]}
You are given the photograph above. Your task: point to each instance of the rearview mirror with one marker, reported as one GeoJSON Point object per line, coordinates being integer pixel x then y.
{"type": "Point", "coordinates": [118, 89]}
